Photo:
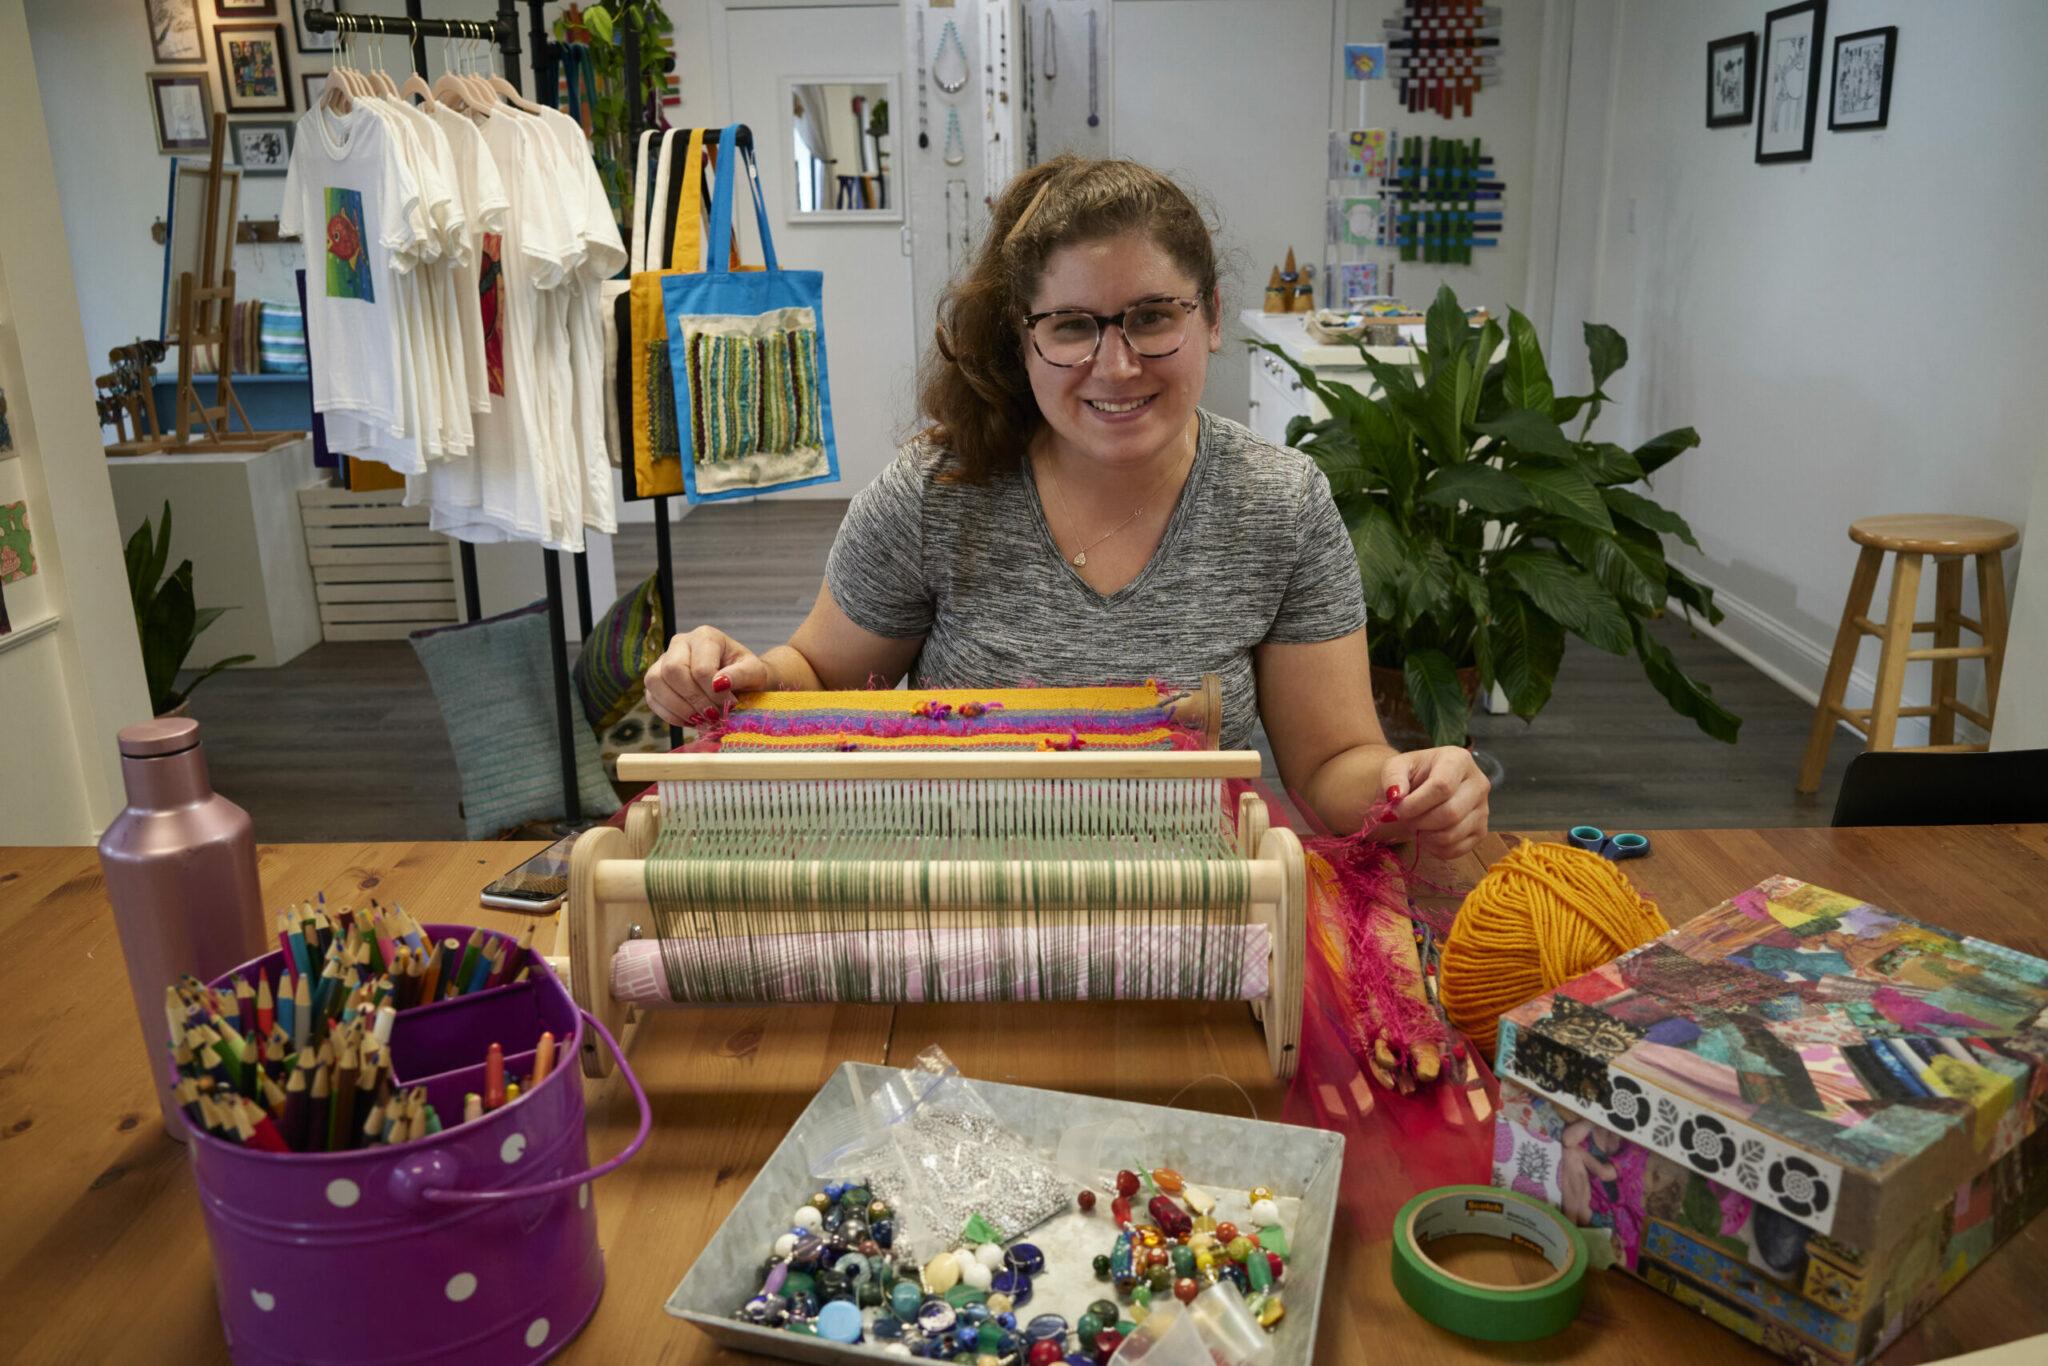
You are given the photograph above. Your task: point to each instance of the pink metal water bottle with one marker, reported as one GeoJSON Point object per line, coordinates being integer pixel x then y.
{"type": "Point", "coordinates": [180, 865]}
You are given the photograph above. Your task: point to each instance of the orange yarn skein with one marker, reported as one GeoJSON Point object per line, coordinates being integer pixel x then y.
{"type": "Point", "coordinates": [1542, 915]}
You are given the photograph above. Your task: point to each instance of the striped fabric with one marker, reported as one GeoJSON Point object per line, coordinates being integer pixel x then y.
{"type": "Point", "coordinates": [1138, 717]}
{"type": "Point", "coordinates": [621, 647]}
{"type": "Point", "coordinates": [753, 394]}
{"type": "Point", "coordinates": [281, 339]}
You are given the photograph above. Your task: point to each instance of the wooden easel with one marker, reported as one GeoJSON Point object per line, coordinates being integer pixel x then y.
{"type": "Point", "coordinates": [205, 310]}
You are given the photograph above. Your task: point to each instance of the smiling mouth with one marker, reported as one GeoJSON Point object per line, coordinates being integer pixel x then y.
{"type": "Point", "coordinates": [1103, 405]}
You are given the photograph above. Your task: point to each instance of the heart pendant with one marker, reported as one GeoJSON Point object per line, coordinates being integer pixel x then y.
{"type": "Point", "coordinates": [1081, 559]}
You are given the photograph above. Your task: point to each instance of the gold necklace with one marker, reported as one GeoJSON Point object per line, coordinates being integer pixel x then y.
{"type": "Point", "coordinates": [1079, 559]}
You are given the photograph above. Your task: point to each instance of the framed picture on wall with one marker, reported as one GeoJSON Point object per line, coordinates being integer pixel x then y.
{"type": "Point", "coordinates": [174, 36]}
{"type": "Point", "coordinates": [243, 9]}
{"type": "Point", "coordinates": [1731, 81]}
{"type": "Point", "coordinates": [262, 148]}
{"type": "Point", "coordinates": [1862, 95]}
{"type": "Point", "coordinates": [183, 110]}
{"type": "Point", "coordinates": [1789, 98]}
{"type": "Point", "coordinates": [254, 78]}
{"type": "Point", "coordinates": [311, 83]}
{"type": "Point", "coordinates": [309, 41]}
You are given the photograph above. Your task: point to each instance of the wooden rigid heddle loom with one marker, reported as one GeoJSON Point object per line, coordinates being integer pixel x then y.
{"type": "Point", "coordinates": [953, 846]}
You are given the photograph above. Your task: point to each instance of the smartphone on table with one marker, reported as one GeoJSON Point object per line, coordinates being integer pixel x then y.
{"type": "Point", "coordinates": [537, 886]}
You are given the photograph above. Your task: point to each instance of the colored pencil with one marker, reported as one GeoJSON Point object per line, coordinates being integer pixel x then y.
{"type": "Point", "coordinates": [494, 1077]}
{"type": "Point", "coordinates": [543, 1057]}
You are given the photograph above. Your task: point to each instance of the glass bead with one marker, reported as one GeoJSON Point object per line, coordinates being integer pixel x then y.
{"type": "Point", "coordinates": [1106, 1343]}
{"type": "Point", "coordinates": [1139, 1313]}
{"type": "Point", "coordinates": [1089, 1326]}
{"type": "Point", "coordinates": [1258, 1193]}
{"type": "Point", "coordinates": [879, 1209]}
{"type": "Point", "coordinates": [1127, 1184]}
{"type": "Point", "coordinates": [888, 1328]}
{"type": "Point", "coordinates": [1274, 1240]}
{"type": "Point", "coordinates": [1120, 1210]}
{"type": "Point", "coordinates": [1141, 1294]}
{"type": "Point", "coordinates": [869, 1295]}
{"type": "Point", "coordinates": [883, 1231]}
{"type": "Point", "coordinates": [1007, 1319]}
{"type": "Point", "coordinates": [976, 1314]}
{"type": "Point", "coordinates": [1044, 1352]}
{"type": "Point", "coordinates": [963, 1258]}
{"type": "Point", "coordinates": [977, 1275]}
{"type": "Point", "coordinates": [785, 1245]}
{"type": "Point", "coordinates": [962, 1295]}
{"type": "Point", "coordinates": [967, 1335]}
{"type": "Point", "coordinates": [807, 1218]}
{"type": "Point", "coordinates": [1185, 1290]}
{"type": "Point", "coordinates": [1172, 1220]}
{"type": "Point", "coordinates": [1150, 1237]}
{"type": "Point", "coordinates": [1167, 1179]}
{"type": "Point", "coordinates": [942, 1273]}
{"type": "Point", "coordinates": [826, 1198]}
{"type": "Point", "coordinates": [1265, 1212]}
{"type": "Point", "coordinates": [1015, 1284]}
{"type": "Point", "coordinates": [990, 1336]}
{"type": "Point", "coordinates": [1046, 1326]}
{"type": "Point", "coordinates": [1000, 1303]}
{"type": "Point", "coordinates": [1271, 1313]}
{"type": "Point", "coordinates": [1204, 1224]}
{"type": "Point", "coordinates": [1086, 1199]}
{"type": "Point", "coordinates": [1234, 1272]}
{"type": "Point", "coordinates": [1101, 1265]}
{"type": "Point", "coordinates": [1025, 1257]}
{"type": "Point", "coordinates": [853, 1230]}
{"type": "Point", "coordinates": [904, 1298]}
{"type": "Point", "coordinates": [989, 1255]}
{"type": "Point", "coordinates": [1238, 1248]}
{"type": "Point", "coordinates": [833, 1218]}
{"type": "Point", "coordinates": [799, 1283]}
{"type": "Point", "coordinates": [857, 1195]}
{"type": "Point", "coordinates": [1105, 1313]}
{"type": "Point", "coordinates": [833, 1285]}
{"type": "Point", "coordinates": [1226, 1232]}
{"type": "Point", "coordinates": [1199, 1200]}
{"type": "Point", "coordinates": [1274, 1263]}
{"type": "Point", "coordinates": [1183, 1261]}
{"type": "Point", "coordinates": [1161, 1279]}
{"type": "Point", "coordinates": [1260, 1270]}
{"type": "Point", "coordinates": [839, 1321]}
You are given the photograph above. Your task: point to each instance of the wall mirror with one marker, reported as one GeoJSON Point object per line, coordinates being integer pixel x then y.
{"type": "Point", "coordinates": [838, 137]}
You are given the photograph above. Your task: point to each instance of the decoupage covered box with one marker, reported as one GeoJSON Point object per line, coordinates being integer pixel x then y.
{"type": "Point", "coordinates": [1800, 1114]}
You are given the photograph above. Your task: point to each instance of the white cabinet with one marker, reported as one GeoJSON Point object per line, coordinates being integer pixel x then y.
{"type": "Point", "coordinates": [1277, 392]}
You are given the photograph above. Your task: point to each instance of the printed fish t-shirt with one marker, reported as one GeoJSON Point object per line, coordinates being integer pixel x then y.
{"type": "Point", "coordinates": [350, 196]}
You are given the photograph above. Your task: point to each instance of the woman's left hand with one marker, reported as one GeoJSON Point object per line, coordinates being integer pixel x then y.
{"type": "Point", "coordinates": [1443, 799]}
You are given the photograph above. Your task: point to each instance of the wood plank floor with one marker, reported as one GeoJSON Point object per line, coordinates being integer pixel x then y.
{"type": "Point", "coordinates": [346, 742]}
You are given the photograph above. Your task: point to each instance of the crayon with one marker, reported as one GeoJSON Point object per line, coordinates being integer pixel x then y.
{"type": "Point", "coordinates": [494, 1077]}
{"type": "Point", "coordinates": [472, 1106]}
{"type": "Point", "coordinates": [543, 1057]}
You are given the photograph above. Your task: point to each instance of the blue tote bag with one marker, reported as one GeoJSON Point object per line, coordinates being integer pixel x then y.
{"type": "Point", "coordinates": [747, 354]}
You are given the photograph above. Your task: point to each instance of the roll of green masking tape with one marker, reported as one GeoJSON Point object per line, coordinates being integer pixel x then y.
{"type": "Point", "coordinates": [1494, 1313]}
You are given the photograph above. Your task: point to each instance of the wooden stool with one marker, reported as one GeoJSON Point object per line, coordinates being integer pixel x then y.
{"type": "Point", "coordinates": [1911, 537]}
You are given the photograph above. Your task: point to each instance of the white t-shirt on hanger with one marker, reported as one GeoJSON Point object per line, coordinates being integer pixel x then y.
{"type": "Point", "coordinates": [478, 185]}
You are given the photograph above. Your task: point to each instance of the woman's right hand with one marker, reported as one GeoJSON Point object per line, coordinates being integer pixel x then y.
{"type": "Point", "coordinates": [696, 677]}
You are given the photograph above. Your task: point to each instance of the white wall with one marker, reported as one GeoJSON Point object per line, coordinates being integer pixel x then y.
{"type": "Point", "coordinates": [69, 686]}
{"type": "Point", "coordinates": [1853, 335]}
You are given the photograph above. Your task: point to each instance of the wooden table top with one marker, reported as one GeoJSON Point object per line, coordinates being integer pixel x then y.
{"type": "Point", "coordinates": [105, 1257]}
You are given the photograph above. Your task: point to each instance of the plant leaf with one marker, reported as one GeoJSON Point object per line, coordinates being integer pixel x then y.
{"type": "Point", "coordinates": [1608, 463]}
{"type": "Point", "coordinates": [1434, 693]}
{"type": "Point", "coordinates": [1485, 341]}
{"type": "Point", "coordinates": [1381, 559]}
{"type": "Point", "coordinates": [1686, 697]}
{"type": "Point", "coordinates": [1606, 351]}
{"type": "Point", "coordinates": [160, 553]}
{"type": "Point", "coordinates": [1659, 451]}
{"type": "Point", "coordinates": [1453, 389]}
{"type": "Point", "coordinates": [1527, 646]}
{"type": "Point", "coordinates": [1527, 379]}
{"type": "Point", "coordinates": [600, 25]}
{"type": "Point", "coordinates": [1486, 487]}
{"type": "Point", "coordinates": [1426, 579]}
{"type": "Point", "coordinates": [1692, 595]}
{"type": "Point", "coordinates": [1565, 490]}
{"type": "Point", "coordinates": [1648, 513]}
{"type": "Point", "coordinates": [1528, 433]}
{"type": "Point", "coordinates": [1445, 329]}
{"type": "Point", "coordinates": [1572, 596]}
{"type": "Point", "coordinates": [1566, 407]}
{"type": "Point", "coordinates": [137, 554]}
{"type": "Point", "coordinates": [1632, 570]}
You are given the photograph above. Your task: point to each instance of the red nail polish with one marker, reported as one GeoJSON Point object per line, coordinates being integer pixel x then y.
{"type": "Point", "coordinates": [721, 684]}
{"type": "Point", "coordinates": [695, 718]}
{"type": "Point", "coordinates": [1394, 794]}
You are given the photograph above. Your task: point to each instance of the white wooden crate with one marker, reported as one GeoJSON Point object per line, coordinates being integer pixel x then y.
{"type": "Point", "coordinates": [379, 573]}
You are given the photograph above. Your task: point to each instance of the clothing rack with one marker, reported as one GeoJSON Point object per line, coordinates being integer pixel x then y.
{"type": "Point", "coordinates": [504, 31]}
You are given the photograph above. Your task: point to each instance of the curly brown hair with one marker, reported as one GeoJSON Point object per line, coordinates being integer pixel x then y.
{"type": "Point", "coordinates": [972, 386]}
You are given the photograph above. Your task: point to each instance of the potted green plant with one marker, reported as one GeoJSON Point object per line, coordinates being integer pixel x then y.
{"type": "Point", "coordinates": [598, 25]}
{"type": "Point", "coordinates": [166, 617]}
{"type": "Point", "coordinates": [1460, 443]}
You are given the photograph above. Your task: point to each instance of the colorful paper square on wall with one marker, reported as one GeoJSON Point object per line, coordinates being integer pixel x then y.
{"type": "Point", "coordinates": [17, 555]}
{"type": "Point", "coordinates": [1365, 61]}
{"type": "Point", "coordinates": [348, 247]}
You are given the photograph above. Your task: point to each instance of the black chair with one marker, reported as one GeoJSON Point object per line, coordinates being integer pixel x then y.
{"type": "Point", "coordinates": [1900, 787]}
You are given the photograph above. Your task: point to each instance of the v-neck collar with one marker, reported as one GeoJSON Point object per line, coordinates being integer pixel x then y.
{"type": "Point", "coordinates": [1174, 524]}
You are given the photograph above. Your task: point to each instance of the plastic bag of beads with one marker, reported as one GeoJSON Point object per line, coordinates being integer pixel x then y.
{"type": "Point", "coordinates": [933, 1149]}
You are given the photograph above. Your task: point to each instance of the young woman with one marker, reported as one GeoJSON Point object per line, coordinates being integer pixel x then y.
{"type": "Point", "coordinates": [1071, 517]}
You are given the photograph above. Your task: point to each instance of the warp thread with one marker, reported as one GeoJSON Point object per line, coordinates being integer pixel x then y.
{"type": "Point", "coordinates": [1542, 915]}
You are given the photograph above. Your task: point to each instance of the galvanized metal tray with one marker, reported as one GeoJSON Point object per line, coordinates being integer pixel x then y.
{"type": "Point", "coordinates": [1218, 1152]}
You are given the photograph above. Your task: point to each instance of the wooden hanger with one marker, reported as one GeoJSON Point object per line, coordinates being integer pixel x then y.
{"type": "Point", "coordinates": [416, 84]}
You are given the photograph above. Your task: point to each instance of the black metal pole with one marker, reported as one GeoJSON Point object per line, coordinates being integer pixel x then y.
{"type": "Point", "coordinates": [558, 659]}
{"type": "Point", "coordinates": [544, 82]}
{"type": "Point", "coordinates": [582, 559]}
{"type": "Point", "coordinates": [472, 595]}
{"type": "Point", "coordinates": [419, 40]}
{"type": "Point", "coordinates": [665, 586]}
{"type": "Point", "coordinates": [508, 39]}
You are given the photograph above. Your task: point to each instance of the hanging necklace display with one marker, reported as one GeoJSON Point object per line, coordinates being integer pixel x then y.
{"type": "Point", "coordinates": [1002, 18]}
{"type": "Point", "coordinates": [1052, 52]}
{"type": "Point", "coordinates": [995, 161]}
{"type": "Point", "coordinates": [1094, 106]}
{"type": "Point", "coordinates": [956, 224]}
{"type": "Point", "coordinates": [924, 118]}
{"type": "Point", "coordinates": [1030, 100]}
{"type": "Point", "coordinates": [955, 150]}
{"type": "Point", "coordinates": [950, 34]}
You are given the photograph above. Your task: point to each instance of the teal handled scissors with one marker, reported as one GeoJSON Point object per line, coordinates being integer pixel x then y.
{"type": "Point", "coordinates": [1611, 847]}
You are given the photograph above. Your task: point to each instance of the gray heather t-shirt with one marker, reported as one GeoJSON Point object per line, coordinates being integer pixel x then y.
{"type": "Point", "coordinates": [1254, 552]}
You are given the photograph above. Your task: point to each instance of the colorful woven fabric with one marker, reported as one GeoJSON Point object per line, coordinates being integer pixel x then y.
{"type": "Point", "coordinates": [623, 644]}
{"type": "Point", "coordinates": [281, 339]}
{"type": "Point", "coordinates": [1127, 718]}
{"type": "Point", "coordinates": [752, 393]}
